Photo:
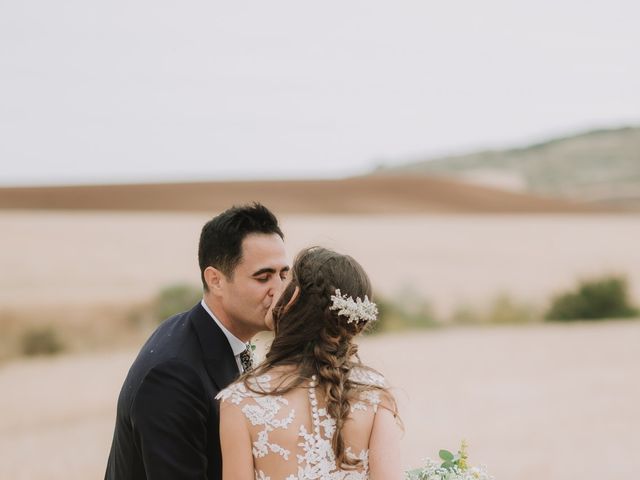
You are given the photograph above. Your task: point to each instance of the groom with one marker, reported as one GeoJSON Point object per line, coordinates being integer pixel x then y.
{"type": "Point", "coordinates": [167, 418]}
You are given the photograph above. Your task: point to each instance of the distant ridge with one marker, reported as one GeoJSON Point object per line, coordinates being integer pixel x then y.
{"type": "Point", "coordinates": [394, 194]}
{"type": "Point", "coordinates": [601, 167]}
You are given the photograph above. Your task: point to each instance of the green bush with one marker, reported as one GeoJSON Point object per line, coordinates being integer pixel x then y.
{"type": "Point", "coordinates": [175, 299]}
{"type": "Point", "coordinates": [41, 341]}
{"type": "Point", "coordinates": [502, 310]}
{"type": "Point", "coordinates": [401, 315]}
{"type": "Point", "coordinates": [605, 297]}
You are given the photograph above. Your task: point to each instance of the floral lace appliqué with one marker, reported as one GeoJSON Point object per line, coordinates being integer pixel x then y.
{"type": "Point", "coordinates": [315, 457]}
{"type": "Point", "coordinates": [367, 398]}
{"type": "Point", "coordinates": [263, 413]}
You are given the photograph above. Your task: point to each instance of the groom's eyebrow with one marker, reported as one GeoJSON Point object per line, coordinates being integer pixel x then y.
{"type": "Point", "coordinates": [269, 270]}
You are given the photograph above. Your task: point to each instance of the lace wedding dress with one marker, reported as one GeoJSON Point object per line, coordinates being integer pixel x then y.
{"type": "Point", "coordinates": [291, 433]}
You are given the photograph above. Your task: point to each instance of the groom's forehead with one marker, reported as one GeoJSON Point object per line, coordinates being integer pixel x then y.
{"type": "Point", "coordinates": [263, 251]}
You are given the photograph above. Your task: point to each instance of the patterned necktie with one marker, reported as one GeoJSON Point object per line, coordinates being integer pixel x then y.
{"type": "Point", "coordinates": [245, 359]}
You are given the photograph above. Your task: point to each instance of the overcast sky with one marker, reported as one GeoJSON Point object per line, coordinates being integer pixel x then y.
{"type": "Point", "coordinates": [167, 90]}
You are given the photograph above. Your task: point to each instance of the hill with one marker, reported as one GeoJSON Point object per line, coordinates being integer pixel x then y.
{"type": "Point", "coordinates": [601, 167]}
{"type": "Point", "coordinates": [370, 194]}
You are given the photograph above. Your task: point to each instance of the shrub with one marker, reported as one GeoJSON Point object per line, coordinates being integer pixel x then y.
{"type": "Point", "coordinates": [401, 314]}
{"type": "Point", "coordinates": [41, 341]}
{"type": "Point", "coordinates": [605, 297]}
{"type": "Point", "coordinates": [503, 309]}
{"type": "Point", "coordinates": [175, 299]}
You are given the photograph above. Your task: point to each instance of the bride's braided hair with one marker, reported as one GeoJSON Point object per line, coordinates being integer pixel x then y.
{"type": "Point", "coordinates": [317, 341]}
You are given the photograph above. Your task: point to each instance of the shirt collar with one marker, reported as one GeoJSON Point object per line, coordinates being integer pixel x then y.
{"type": "Point", "coordinates": [237, 345]}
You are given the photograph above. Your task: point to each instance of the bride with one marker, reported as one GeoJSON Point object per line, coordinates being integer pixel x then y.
{"type": "Point", "coordinates": [312, 409]}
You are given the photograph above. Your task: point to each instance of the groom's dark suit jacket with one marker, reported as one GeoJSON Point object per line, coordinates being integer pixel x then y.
{"type": "Point", "coordinates": [167, 417]}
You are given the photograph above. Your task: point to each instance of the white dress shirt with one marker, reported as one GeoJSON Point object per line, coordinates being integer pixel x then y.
{"type": "Point", "coordinates": [237, 345]}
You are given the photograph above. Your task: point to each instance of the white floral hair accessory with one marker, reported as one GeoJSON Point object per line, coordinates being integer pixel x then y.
{"type": "Point", "coordinates": [357, 310]}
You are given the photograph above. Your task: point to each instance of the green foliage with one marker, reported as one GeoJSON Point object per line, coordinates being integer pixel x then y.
{"type": "Point", "coordinates": [41, 340]}
{"type": "Point", "coordinates": [408, 312]}
{"type": "Point", "coordinates": [452, 467]}
{"type": "Point", "coordinates": [451, 461]}
{"type": "Point", "coordinates": [605, 297]}
{"type": "Point", "coordinates": [175, 299]}
{"type": "Point", "coordinates": [593, 165]}
{"type": "Point", "coordinates": [502, 310]}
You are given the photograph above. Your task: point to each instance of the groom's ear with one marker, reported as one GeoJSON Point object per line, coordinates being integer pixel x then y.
{"type": "Point", "coordinates": [213, 277]}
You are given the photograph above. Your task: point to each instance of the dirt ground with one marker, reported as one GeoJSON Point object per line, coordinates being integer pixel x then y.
{"type": "Point", "coordinates": [551, 402]}
{"type": "Point", "coordinates": [392, 194]}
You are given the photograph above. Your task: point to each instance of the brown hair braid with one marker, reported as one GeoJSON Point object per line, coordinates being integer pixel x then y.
{"type": "Point", "coordinates": [317, 341]}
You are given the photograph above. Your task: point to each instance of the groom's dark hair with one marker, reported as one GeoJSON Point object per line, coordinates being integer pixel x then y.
{"type": "Point", "coordinates": [221, 237]}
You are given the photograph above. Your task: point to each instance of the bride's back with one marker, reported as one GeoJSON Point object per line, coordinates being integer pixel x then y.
{"type": "Point", "coordinates": [291, 433]}
{"type": "Point", "coordinates": [310, 409]}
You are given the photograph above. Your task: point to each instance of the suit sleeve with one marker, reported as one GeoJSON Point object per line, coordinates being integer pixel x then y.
{"type": "Point", "coordinates": [169, 417]}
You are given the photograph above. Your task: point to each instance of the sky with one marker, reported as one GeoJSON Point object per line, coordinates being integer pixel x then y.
{"type": "Point", "coordinates": [137, 91]}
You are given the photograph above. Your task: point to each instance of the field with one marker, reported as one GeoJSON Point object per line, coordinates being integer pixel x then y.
{"type": "Point", "coordinates": [52, 260]}
{"type": "Point", "coordinates": [394, 194]}
{"type": "Point", "coordinates": [537, 402]}
{"type": "Point", "coordinates": [533, 401]}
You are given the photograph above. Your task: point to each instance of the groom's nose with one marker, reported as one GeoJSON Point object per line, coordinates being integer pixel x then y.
{"type": "Point", "coordinates": [277, 286]}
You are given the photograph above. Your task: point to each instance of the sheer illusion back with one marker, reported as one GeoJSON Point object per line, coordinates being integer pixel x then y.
{"type": "Point", "coordinates": [291, 433]}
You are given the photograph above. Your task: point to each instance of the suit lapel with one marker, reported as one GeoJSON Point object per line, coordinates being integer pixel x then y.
{"type": "Point", "coordinates": [219, 359]}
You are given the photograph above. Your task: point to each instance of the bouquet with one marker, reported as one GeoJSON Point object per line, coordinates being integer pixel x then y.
{"type": "Point", "coordinates": [453, 467]}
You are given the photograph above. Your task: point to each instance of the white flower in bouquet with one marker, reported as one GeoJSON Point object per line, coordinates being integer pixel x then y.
{"type": "Point", "coordinates": [453, 467]}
